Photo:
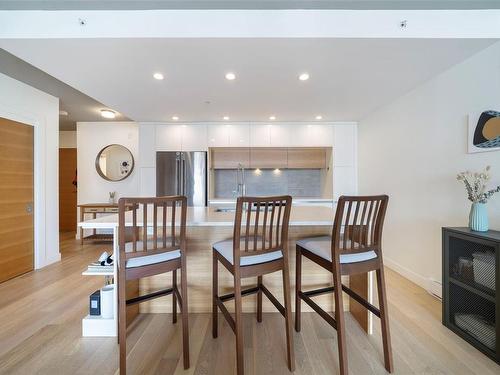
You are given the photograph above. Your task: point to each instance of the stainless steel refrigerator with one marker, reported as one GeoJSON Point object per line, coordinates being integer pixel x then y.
{"type": "Point", "coordinates": [182, 173]}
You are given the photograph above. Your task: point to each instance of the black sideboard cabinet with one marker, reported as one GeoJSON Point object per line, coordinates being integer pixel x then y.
{"type": "Point", "coordinates": [471, 304]}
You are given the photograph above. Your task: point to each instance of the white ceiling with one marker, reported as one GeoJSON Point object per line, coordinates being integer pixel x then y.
{"type": "Point", "coordinates": [79, 106]}
{"type": "Point", "coordinates": [349, 77]}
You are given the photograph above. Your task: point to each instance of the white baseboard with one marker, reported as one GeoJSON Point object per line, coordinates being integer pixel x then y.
{"type": "Point", "coordinates": [429, 284]}
{"type": "Point", "coordinates": [46, 262]}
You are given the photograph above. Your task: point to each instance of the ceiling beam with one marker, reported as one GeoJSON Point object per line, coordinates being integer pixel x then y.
{"type": "Point", "coordinates": [246, 4]}
{"type": "Point", "coordinates": [251, 24]}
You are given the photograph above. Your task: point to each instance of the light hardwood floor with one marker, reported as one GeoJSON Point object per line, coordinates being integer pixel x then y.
{"type": "Point", "coordinates": [40, 333]}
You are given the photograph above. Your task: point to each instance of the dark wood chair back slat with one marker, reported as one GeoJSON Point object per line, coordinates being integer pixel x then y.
{"type": "Point", "coordinates": [261, 225]}
{"type": "Point", "coordinates": [358, 224]}
{"type": "Point", "coordinates": [168, 229]}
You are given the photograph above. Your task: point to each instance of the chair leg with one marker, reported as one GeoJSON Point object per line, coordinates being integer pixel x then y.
{"type": "Point", "coordinates": [215, 294]}
{"type": "Point", "coordinates": [288, 318]}
{"type": "Point", "coordinates": [259, 300]}
{"type": "Point", "coordinates": [339, 317]}
{"type": "Point", "coordinates": [184, 313]}
{"type": "Point", "coordinates": [384, 319]}
{"type": "Point", "coordinates": [240, 365]}
{"type": "Point", "coordinates": [174, 297]}
{"type": "Point", "coordinates": [122, 323]}
{"type": "Point", "coordinates": [298, 288]}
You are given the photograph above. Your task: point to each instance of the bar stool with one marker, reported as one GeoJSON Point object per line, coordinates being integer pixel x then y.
{"type": "Point", "coordinates": [262, 248]}
{"type": "Point", "coordinates": [353, 248]}
{"type": "Point", "coordinates": [165, 251]}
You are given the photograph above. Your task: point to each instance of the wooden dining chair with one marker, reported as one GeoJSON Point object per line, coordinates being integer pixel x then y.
{"type": "Point", "coordinates": [144, 254]}
{"type": "Point", "coordinates": [353, 248]}
{"type": "Point", "coordinates": [259, 246]}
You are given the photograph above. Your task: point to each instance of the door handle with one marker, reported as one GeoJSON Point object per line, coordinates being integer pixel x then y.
{"type": "Point", "coordinates": [29, 207]}
{"type": "Point", "coordinates": [177, 174]}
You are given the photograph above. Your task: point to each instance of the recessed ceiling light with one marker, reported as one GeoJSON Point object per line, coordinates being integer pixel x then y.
{"type": "Point", "coordinates": [108, 113]}
{"type": "Point", "coordinates": [272, 118]}
{"type": "Point", "coordinates": [230, 76]}
{"type": "Point", "coordinates": [304, 76]}
{"type": "Point", "coordinates": [175, 118]}
{"type": "Point", "coordinates": [226, 118]}
{"type": "Point", "coordinates": [158, 76]}
{"type": "Point", "coordinates": [319, 117]}
{"type": "Point", "coordinates": [63, 113]}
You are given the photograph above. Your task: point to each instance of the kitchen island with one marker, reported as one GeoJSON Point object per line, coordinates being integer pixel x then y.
{"type": "Point", "coordinates": [206, 225]}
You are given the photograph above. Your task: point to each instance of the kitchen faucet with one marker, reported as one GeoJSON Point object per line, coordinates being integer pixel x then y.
{"type": "Point", "coordinates": [240, 181]}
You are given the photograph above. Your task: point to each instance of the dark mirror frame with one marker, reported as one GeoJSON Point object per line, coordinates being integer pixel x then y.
{"type": "Point", "coordinates": [98, 168]}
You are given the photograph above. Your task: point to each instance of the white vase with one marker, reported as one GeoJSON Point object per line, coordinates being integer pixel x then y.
{"type": "Point", "coordinates": [107, 294]}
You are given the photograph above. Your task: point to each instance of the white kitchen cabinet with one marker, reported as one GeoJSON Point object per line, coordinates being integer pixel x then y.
{"type": "Point", "coordinates": [194, 137]}
{"type": "Point", "coordinates": [147, 152]}
{"type": "Point", "coordinates": [147, 182]}
{"type": "Point", "coordinates": [177, 137]}
{"type": "Point", "coordinates": [344, 181]}
{"type": "Point", "coordinates": [344, 148]}
{"type": "Point", "coordinates": [281, 134]}
{"type": "Point", "coordinates": [301, 135]}
{"type": "Point", "coordinates": [218, 135]}
{"type": "Point", "coordinates": [260, 135]}
{"type": "Point", "coordinates": [318, 135]}
{"type": "Point", "coordinates": [239, 135]}
{"type": "Point", "coordinates": [169, 137]}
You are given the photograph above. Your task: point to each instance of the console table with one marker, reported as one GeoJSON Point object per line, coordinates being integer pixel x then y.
{"type": "Point", "coordinates": [94, 209]}
{"type": "Point", "coordinates": [471, 304]}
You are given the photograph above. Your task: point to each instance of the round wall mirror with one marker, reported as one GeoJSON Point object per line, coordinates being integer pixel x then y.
{"type": "Point", "coordinates": [114, 163]}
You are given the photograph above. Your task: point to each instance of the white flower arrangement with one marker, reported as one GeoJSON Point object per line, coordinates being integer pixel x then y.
{"type": "Point", "coordinates": [475, 184]}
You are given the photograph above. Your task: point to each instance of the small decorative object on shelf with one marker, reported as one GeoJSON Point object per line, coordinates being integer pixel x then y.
{"type": "Point", "coordinates": [95, 303]}
{"type": "Point", "coordinates": [475, 184]}
{"type": "Point", "coordinates": [112, 195]}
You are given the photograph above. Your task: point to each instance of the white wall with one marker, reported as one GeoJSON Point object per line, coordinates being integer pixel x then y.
{"type": "Point", "coordinates": [67, 139]}
{"type": "Point", "coordinates": [23, 103]}
{"type": "Point", "coordinates": [92, 137]}
{"type": "Point", "coordinates": [412, 150]}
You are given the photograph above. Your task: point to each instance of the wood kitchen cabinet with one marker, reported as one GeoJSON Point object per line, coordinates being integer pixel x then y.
{"type": "Point", "coordinates": [268, 157]}
{"type": "Point", "coordinates": [230, 157]}
{"type": "Point", "coordinates": [307, 158]}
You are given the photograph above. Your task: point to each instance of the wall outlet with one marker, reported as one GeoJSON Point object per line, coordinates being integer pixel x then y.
{"type": "Point", "coordinates": [435, 288]}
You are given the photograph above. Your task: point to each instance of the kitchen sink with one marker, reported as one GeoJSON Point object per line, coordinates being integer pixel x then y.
{"type": "Point", "coordinates": [225, 209]}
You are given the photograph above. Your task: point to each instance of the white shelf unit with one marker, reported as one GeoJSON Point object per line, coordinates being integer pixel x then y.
{"type": "Point", "coordinates": [97, 273]}
{"type": "Point", "coordinates": [97, 326]}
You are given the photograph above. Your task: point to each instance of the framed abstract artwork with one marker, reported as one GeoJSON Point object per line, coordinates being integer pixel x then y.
{"type": "Point", "coordinates": [484, 131]}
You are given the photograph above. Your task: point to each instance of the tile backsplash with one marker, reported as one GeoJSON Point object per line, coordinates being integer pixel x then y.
{"type": "Point", "coordinates": [303, 183]}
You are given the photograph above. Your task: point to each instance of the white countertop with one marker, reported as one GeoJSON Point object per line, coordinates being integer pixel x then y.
{"type": "Point", "coordinates": [208, 217]}
{"type": "Point", "coordinates": [215, 201]}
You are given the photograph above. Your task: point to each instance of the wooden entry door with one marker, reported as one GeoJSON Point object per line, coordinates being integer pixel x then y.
{"type": "Point", "coordinates": [16, 199]}
{"type": "Point", "coordinates": [67, 190]}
